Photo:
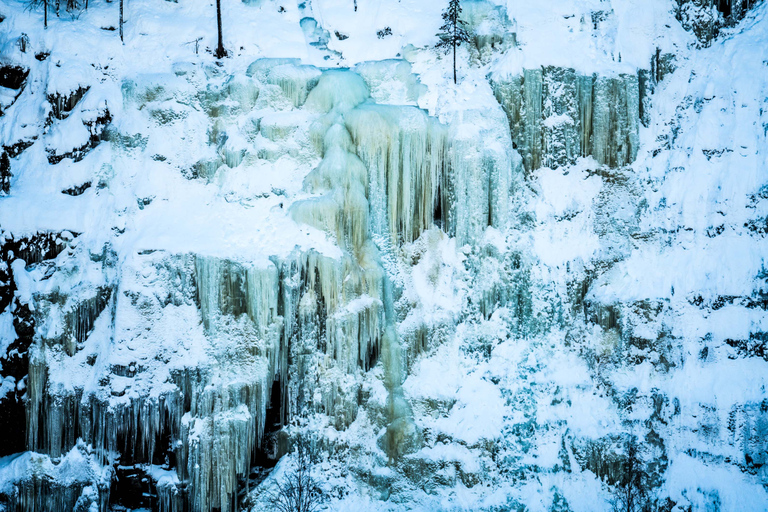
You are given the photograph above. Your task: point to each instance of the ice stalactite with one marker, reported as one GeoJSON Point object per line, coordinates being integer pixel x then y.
{"type": "Point", "coordinates": [77, 481]}
{"type": "Point", "coordinates": [557, 115]}
{"type": "Point", "coordinates": [83, 316]}
{"type": "Point", "coordinates": [345, 322]}
{"type": "Point", "coordinates": [63, 104]}
{"type": "Point", "coordinates": [405, 152]}
{"type": "Point", "coordinates": [296, 80]}
{"type": "Point", "coordinates": [477, 183]}
{"type": "Point", "coordinates": [57, 418]}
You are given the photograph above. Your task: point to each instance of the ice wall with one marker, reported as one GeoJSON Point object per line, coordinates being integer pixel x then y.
{"type": "Point", "coordinates": [77, 481]}
{"type": "Point", "coordinates": [405, 154]}
{"type": "Point", "coordinates": [557, 115]}
{"type": "Point", "coordinates": [177, 386]}
{"type": "Point", "coordinates": [179, 355]}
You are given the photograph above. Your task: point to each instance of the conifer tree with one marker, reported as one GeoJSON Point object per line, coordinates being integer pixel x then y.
{"type": "Point", "coordinates": [452, 33]}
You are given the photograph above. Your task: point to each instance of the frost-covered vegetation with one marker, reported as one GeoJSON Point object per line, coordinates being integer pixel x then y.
{"type": "Point", "coordinates": [332, 269]}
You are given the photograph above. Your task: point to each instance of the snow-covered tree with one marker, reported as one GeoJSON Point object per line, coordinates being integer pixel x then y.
{"type": "Point", "coordinates": [452, 33]}
{"type": "Point", "coordinates": [297, 490]}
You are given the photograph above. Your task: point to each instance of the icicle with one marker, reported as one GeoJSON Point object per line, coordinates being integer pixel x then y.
{"type": "Point", "coordinates": [84, 315]}
{"type": "Point", "coordinates": [477, 186]}
{"type": "Point", "coordinates": [296, 81]}
{"type": "Point", "coordinates": [404, 152]}
{"type": "Point", "coordinates": [556, 115]}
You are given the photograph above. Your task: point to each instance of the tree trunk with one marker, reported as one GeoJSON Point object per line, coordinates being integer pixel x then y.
{"type": "Point", "coordinates": [121, 21]}
{"type": "Point", "coordinates": [45, 13]}
{"type": "Point", "coordinates": [454, 63]}
{"type": "Point", "coordinates": [220, 48]}
{"type": "Point", "coordinates": [453, 37]}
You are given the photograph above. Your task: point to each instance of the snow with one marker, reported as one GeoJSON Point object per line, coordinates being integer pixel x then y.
{"type": "Point", "coordinates": [275, 214]}
{"type": "Point", "coordinates": [7, 332]}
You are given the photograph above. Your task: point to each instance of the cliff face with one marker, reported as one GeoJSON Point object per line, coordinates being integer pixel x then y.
{"type": "Point", "coordinates": [494, 295]}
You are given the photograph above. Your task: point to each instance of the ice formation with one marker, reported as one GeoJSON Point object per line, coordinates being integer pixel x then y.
{"type": "Point", "coordinates": [557, 115]}
{"type": "Point", "coordinates": [446, 286]}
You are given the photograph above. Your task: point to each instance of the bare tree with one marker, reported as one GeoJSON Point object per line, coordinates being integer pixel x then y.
{"type": "Point", "coordinates": [121, 21]}
{"type": "Point", "coordinates": [297, 490]}
{"type": "Point", "coordinates": [452, 33]}
{"type": "Point", "coordinates": [631, 492]}
{"type": "Point", "coordinates": [220, 52]}
{"type": "Point", "coordinates": [34, 4]}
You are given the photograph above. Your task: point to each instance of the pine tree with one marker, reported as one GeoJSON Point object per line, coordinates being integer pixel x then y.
{"type": "Point", "coordinates": [452, 33]}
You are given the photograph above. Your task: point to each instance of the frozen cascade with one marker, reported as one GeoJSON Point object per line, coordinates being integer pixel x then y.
{"type": "Point", "coordinates": [308, 323]}
{"type": "Point", "coordinates": [352, 325]}
{"type": "Point", "coordinates": [342, 211]}
{"type": "Point", "coordinates": [557, 115]}
{"type": "Point", "coordinates": [296, 80]}
{"type": "Point", "coordinates": [405, 153]}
